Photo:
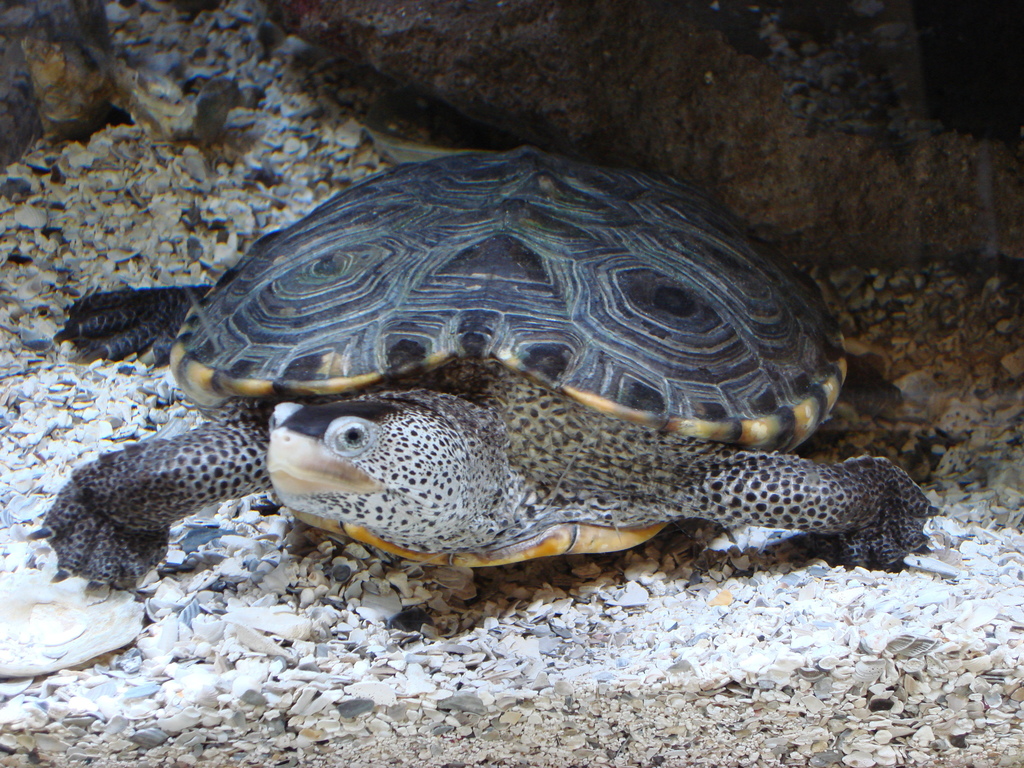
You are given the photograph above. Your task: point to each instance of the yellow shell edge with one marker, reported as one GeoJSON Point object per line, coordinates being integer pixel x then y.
{"type": "Point", "coordinates": [569, 538]}
{"type": "Point", "coordinates": [208, 387]}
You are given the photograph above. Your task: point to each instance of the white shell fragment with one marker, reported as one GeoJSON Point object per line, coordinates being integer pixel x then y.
{"type": "Point", "coordinates": [46, 626]}
{"type": "Point", "coordinates": [277, 621]}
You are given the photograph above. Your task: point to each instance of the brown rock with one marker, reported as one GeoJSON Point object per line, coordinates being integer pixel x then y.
{"type": "Point", "coordinates": [632, 83]}
{"type": "Point", "coordinates": [54, 73]}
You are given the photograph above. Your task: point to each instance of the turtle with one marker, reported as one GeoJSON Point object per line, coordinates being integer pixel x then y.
{"type": "Point", "coordinates": [489, 357]}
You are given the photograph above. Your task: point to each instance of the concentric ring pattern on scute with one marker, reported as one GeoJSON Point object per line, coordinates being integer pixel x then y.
{"type": "Point", "coordinates": [631, 292]}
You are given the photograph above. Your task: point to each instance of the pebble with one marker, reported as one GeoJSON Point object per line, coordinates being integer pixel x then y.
{"type": "Point", "coordinates": [1013, 362]}
{"type": "Point", "coordinates": [30, 217]}
{"type": "Point", "coordinates": [379, 607]}
{"type": "Point", "coordinates": [253, 698]}
{"type": "Point", "coordinates": [353, 708]}
{"type": "Point", "coordinates": [410, 620]}
{"type": "Point", "coordinates": [141, 691]}
{"type": "Point", "coordinates": [277, 621]}
{"type": "Point", "coordinates": [859, 760]}
{"type": "Point", "coordinates": [149, 737]}
{"type": "Point", "coordinates": [632, 596]}
{"type": "Point", "coordinates": [15, 189]}
{"type": "Point", "coordinates": [463, 702]}
{"type": "Point", "coordinates": [379, 693]}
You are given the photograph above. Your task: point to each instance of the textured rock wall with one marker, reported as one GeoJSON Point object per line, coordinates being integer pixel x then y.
{"type": "Point", "coordinates": [634, 84]}
{"type": "Point", "coordinates": [53, 56]}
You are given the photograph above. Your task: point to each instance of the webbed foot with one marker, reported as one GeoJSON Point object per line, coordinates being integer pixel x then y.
{"type": "Point", "coordinates": [92, 545]}
{"type": "Point", "coordinates": [897, 508]}
{"type": "Point", "coordinates": [110, 522]}
{"type": "Point", "coordinates": [114, 324]}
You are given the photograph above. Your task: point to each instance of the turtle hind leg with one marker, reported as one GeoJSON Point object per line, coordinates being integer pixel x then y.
{"type": "Point", "coordinates": [863, 511]}
{"type": "Point", "coordinates": [114, 324]}
{"type": "Point", "coordinates": [110, 521]}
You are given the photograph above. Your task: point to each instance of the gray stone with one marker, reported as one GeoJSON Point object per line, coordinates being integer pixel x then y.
{"type": "Point", "coordinates": [463, 702]}
{"type": "Point", "coordinates": [141, 691]}
{"type": "Point", "coordinates": [355, 707]}
{"type": "Point", "coordinates": [253, 698]}
{"type": "Point", "coordinates": [79, 721]}
{"type": "Point", "coordinates": [149, 737]}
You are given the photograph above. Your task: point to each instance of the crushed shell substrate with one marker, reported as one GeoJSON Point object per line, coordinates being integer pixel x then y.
{"type": "Point", "coordinates": [267, 644]}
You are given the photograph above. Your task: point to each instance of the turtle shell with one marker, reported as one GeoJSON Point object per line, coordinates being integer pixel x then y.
{"type": "Point", "coordinates": [630, 292]}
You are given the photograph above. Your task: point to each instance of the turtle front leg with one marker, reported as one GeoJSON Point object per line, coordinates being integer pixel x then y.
{"type": "Point", "coordinates": [863, 511]}
{"type": "Point", "coordinates": [110, 522]}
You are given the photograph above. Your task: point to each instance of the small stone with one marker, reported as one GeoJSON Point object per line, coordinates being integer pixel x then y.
{"type": "Point", "coordinates": [218, 96]}
{"type": "Point", "coordinates": [932, 565]}
{"type": "Point", "coordinates": [352, 708]}
{"type": "Point", "coordinates": [180, 721]}
{"type": "Point", "coordinates": [275, 621]}
{"type": "Point", "coordinates": [79, 721]}
{"type": "Point", "coordinates": [15, 189]}
{"type": "Point", "coordinates": [859, 759]}
{"type": "Point", "coordinates": [253, 698]}
{"type": "Point", "coordinates": [30, 217]}
{"type": "Point", "coordinates": [341, 573]}
{"type": "Point", "coordinates": [722, 598]}
{"type": "Point", "coordinates": [825, 759]}
{"type": "Point", "coordinates": [141, 691]}
{"type": "Point", "coordinates": [379, 693]}
{"type": "Point", "coordinates": [149, 737]}
{"type": "Point", "coordinates": [379, 607]}
{"type": "Point", "coordinates": [632, 596]}
{"type": "Point", "coordinates": [117, 13]}
{"type": "Point", "coordinates": [463, 702]}
{"type": "Point", "coordinates": [410, 620]}
{"type": "Point", "coordinates": [1013, 362]}
{"type": "Point", "coordinates": [33, 339]}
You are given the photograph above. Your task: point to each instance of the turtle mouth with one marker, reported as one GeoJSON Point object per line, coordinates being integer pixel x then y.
{"type": "Point", "coordinates": [300, 465]}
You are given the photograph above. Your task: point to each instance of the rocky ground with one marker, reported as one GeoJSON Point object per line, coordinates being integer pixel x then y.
{"type": "Point", "coordinates": [263, 642]}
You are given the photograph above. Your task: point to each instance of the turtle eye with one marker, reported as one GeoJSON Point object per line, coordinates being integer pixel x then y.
{"type": "Point", "coordinates": [350, 435]}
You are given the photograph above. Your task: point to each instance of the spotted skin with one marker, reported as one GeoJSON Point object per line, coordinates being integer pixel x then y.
{"type": "Point", "coordinates": [503, 462]}
{"type": "Point", "coordinates": [110, 522]}
{"type": "Point", "coordinates": [443, 460]}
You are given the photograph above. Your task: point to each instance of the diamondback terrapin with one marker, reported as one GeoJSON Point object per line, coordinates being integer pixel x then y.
{"type": "Point", "coordinates": [486, 358]}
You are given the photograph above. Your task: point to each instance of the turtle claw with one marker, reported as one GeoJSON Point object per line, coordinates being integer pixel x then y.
{"type": "Point", "coordinates": [60, 576]}
{"type": "Point", "coordinates": [40, 533]}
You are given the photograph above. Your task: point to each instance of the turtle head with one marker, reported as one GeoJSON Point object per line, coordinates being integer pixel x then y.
{"type": "Point", "coordinates": [415, 470]}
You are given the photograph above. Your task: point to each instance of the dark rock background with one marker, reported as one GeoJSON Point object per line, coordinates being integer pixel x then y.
{"type": "Point", "coordinates": [54, 75]}
{"type": "Point", "coordinates": [648, 84]}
